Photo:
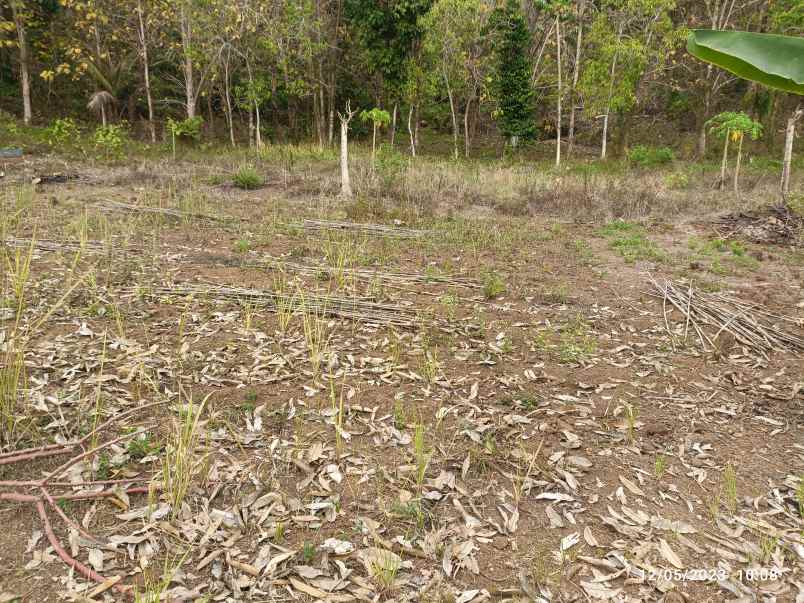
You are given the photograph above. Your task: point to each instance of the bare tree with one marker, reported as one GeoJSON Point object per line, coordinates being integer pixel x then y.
{"type": "Point", "coordinates": [790, 134]}
{"type": "Point", "coordinates": [558, 108]}
{"type": "Point", "coordinates": [576, 68]}
{"type": "Point", "coordinates": [345, 118]}
{"type": "Point", "coordinates": [146, 69]}
{"type": "Point", "coordinates": [25, 76]}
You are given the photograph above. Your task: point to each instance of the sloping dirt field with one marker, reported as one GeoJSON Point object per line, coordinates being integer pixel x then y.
{"type": "Point", "coordinates": [241, 406]}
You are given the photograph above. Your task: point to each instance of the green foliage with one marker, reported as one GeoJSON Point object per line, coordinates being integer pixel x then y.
{"type": "Point", "coordinates": [734, 124]}
{"type": "Point", "coordinates": [248, 178]}
{"type": "Point", "coordinates": [386, 33]}
{"type": "Point", "coordinates": [771, 60]}
{"type": "Point", "coordinates": [109, 140]}
{"type": "Point", "coordinates": [376, 116]}
{"type": "Point", "coordinates": [185, 129]}
{"type": "Point", "coordinates": [645, 156]}
{"type": "Point", "coordinates": [62, 132]}
{"type": "Point", "coordinates": [512, 88]}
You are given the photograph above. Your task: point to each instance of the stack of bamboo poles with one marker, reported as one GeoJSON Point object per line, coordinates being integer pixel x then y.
{"type": "Point", "coordinates": [749, 324]}
{"type": "Point", "coordinates": [325, 305]}
{"type": "Point", "coordinates": [367, 274]}
{"type": "Point", "coordinates": [53, 246]}
{"type": "Point", "coordinates": [116, 206]}
{"type": "Point", "coordinates": [367, 229]}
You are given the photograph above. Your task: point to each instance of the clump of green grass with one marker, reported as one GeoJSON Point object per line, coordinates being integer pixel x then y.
{"type": "Point", "coordinates": [629, 240]}
{"type": "Point", "coordinates": [247, 178]}
{"type": "Point", "coordinates": [493, 285]}
{"type": "Point", "coordinates": [637, 247]}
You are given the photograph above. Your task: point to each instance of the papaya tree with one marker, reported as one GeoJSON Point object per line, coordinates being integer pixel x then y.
{"type": "Point", "coordinates": [733, 127]}
{"type": "Point", "coordinates": [768, 59]}
{"type": "Point", "coordinates": [378, 119]}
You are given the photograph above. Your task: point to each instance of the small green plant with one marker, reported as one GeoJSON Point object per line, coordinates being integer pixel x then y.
{"type": "Point", "coordinates": [109, 140]}
{"type": "Point", "coordinates": [279, 532]}
{"type": "Point", "coordinates": [242, 246]}
{"type": "Point", "coordinates": [493, 285]}
{"type": "Point", "coordinates": [248, 178]}
{"type": "Point", "coordinates": [645, 156]}
{"type": "Point", "coordinates": [713, 503]}
{"type": "Point", "coordinates": [104, 467]}
{"type": "Point", "coordinates": [421, 453]}
{"type": "Point", "coordinates": [384, 568]}
{"type": "Point", "coordinates": [429, 364]}
{"type": "Point", "coordinates": [730, 487]}
{"type": "Point", "coordinates": [62, 132]}
{"type": "Point", "coordinates": [182, 461]}
{"type": "Point", "coordinates": [308, 552]}
{"type": "Point", "coordinates": [660, 466]}
{"type": "Point", "coordinates": [142, 446]}
{"type": "Point", "coordinates": [800, 495]}
{"type": "Point", "coordinates": [767, 546]}
{"type": "Point", "coordinates": [631, 415]}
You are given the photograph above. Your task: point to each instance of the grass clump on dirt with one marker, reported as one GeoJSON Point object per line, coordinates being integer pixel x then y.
{"type": "Point", "coordinates": [247, 178]}
{"type": "Point", "coordinates": [629, 240]}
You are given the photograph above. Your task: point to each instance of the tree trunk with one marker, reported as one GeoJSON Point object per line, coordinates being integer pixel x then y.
{"type": "Point", "coordinates": [701, 150]}
{"type": "Point", "coordinates": [410, 131]}
{"type": "Point", "coordinates": [558, 107]}
{"type": "Point", "coordinates": [466, 127]}
{"type": "Point", "coordinates": [25, 76]}
{"type": "Point", "coordinates": [611, 93]}
{"type": "Point", "coordinates": [250, 127]}
{"type": "Point", "coordinates": [345, 118]}
{"type": "Point", "coordinates": [146, 73]}
{"type": "Point", "coordinates": [722, 183]}
{"type": "Point", "coordinates": [189, 83]}
{"type": "Point", "coordinates": [737, 165]}
{"type": "Point", "coordinates": [393, 125]}
{"type": "Point", "coordinates": [228, 98]}
{"type": "Point", "coordinates": [790, 134]}
{"type": "Point", "coordinates": [454, 119]}
{"type": "Point", "coordinates": [373, 144]}
{"type": "Point", "coordinates": [103, 114]}
{"type": "Point", "coordinates": [331, 125]}
{"type": "Point", "coordinates": [575, 74]}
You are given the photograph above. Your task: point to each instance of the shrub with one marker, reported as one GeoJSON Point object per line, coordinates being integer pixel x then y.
{"type": "Point", "coordinates": [62, 132]}
{"type": "Point", "coordinates": [645, 156]}
{"type": "Point", "coordinates": [186, 129]}
{"type": "Point", "coordinates": [248, 178]}
{"type": "Point", "coordinates": [110, 139]}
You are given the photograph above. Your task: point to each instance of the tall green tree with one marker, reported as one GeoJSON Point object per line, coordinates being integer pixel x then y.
{"type": "Point", "coordinates": [512, 80]}
{"type": "Point", "coordinates": [453, 49]}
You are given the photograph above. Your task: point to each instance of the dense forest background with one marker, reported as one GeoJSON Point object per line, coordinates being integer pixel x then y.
{"type": "Point", "coordinates": [481, 72]}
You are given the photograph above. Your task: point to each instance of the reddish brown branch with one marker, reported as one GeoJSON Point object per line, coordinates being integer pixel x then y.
{"type": "Point", "coordinates": [17, 497]}
{"type": "Point", "coordinates": [66, 519]}
{"type": "Point", "coordinates": [27, 456]}
{"type": "Point", "coordinates": [85, 571]}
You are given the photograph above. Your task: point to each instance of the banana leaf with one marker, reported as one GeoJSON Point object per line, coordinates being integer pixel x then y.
{"type": "Point", "coordinates": [769, 59]}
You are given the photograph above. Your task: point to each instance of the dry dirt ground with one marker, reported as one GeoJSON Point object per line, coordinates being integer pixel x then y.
{"type": "Point", "coordinates": [500, 408]}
